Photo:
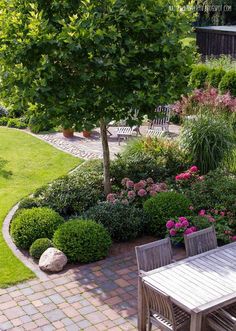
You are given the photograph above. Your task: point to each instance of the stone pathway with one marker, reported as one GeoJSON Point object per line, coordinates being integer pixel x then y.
{"type": "Point", "coordinates": [97, 296]}
{"type": "Point", "coordinates": [90, 148]}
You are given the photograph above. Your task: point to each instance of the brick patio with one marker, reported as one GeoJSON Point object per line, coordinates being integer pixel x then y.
{"type": "Point", "coordinates": [98, 296]}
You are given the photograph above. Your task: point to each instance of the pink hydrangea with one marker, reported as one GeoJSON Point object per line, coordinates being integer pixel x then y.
{"type": "Point", "coordinates": [186, 175]}
{"type": "Point", "coordinates": [202, 212]}
{"type": "Point", "coordinates": [222, 213]}
{"type": "Point", "coordinates": [182, 219]}
{"type": "Point", "coordinates": [170, 224]}
{"type": "Point", "coordinates": [193, 228]}
{"type": "Point", "coordinates": [191, 208]}
{"type": "Point", "coordinates": [188, 231]}
{"type": "Point", "coordinates": [173, 232]}
{"type": "Point", "coordinates": [124, 180]}
{"type": "Point", "coordinates": [131, 194]}
{"type": "Point", "coordinates": [193, 169]}
{"type": "Point", "coordinates": [142, 192]}
{"type": "Point", "coordinates": [129, 184]}
{"type": "Point", "coordinates": [111, 197]}
{"type": "Point", "coordinates": [138, 186]}
{"type": "Point", "coordinates": [178, 225]}
{"type": "Point", "coordinates": [185, 223]}
{"type": "Point", "coordinates": [150, 180]}
{"type": "Point", "coordinates": [233, 238]}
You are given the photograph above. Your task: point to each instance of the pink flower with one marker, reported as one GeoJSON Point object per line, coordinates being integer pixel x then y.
{"type": "Point", "coordinates": [193, 228]}
{"type": "Point", "coordinates": [188, 231]}
{"type": "Point", "coordinates": [131, 194]}
{"type": "Point", "coordinates": [150, 180]}
{"type": "Point", "coordinates": [185, 223]}
{"type": "Point", "coordinates": [111, 197]}
{"type": "Point", "coordinates": [201, 178]}
{"type": "Point", "coordinates": [193, 169]}
{"type": "Point", "coordinates": [233, 238]}
{"type": "Point", "coordinates": [152, 193]}
{"type": "Point", "coordinates": [125, 201]}
{"type": "Point", "coordinates": [129, 184]}
{"type": "Point", "coordinates": [172, 232]}
{"type": "Point", "coordinates": [182, 219]}
{"type": "Point", "coordinates": [138, 186]}
{"type": "Point", "coordinates": [186, 175]}
{"type": "Point", "coordinates": [222, 213]}
{"type": "Point", "coordinates": [170, 224]}
{"type": "Point", "coordinates": [202, 212]}
{"type": "Point", "coordinates": [142, 192]}
{"type": "Point", "coordinates": [178, 225]}
{"type": "Point", "coordinates": [178, 177]}
{"type": "Point", "coordinates": [124, 180]}
{"type": "Point", "coordinates": [191, 208]}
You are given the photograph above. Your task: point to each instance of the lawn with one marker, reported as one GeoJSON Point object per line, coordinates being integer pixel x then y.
{"type": "Point", "coordinates": [32, 163]}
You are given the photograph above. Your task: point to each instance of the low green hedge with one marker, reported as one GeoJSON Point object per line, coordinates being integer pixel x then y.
{"type": "Point", "coordinates": [82, 240]}
{"type": "Point", "coordinates": [39, 246]}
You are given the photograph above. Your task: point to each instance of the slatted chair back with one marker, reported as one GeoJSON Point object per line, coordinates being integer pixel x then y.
{"type": "Point", "coordinates": [200, 241]}
{"type": "Point", "coordinates": [158, 303]}
{"type": "Point", "coordinates": [162, 118]}
{"type": "Point", "coordinates": [154, 255]}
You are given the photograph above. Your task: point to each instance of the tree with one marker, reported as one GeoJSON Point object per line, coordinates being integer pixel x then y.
{"type": "Point", "coordinates": [89, 62]}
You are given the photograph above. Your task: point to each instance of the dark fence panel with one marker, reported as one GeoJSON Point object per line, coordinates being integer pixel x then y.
{"type": "Point", "coordinates": [217, 40]}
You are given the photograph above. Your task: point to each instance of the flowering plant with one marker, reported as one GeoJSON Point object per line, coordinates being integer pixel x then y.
{"type": "Point", "coordinates": [201, 99]}
{"type": "Point", "coordinates": [133, 192]}
{"type": "Point", "coordinates": [185, 179]}
{"type": "Point", "coordinates": [177, 227]}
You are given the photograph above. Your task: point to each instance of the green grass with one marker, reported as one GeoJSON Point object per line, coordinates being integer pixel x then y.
{"type": "Point", "coordinates": [32, 163]}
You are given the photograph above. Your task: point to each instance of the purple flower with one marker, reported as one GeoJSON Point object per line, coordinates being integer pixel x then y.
{"type": "Point", "coordinates": [170, 224]}
{"type": "Point", "coordinates": [142, 192]}
{"type": "Point", "coordinates": [182, 219]}
{"type": "Point", "coordinates": [178, 225]}
{"type": "Point", "coordinates": [193, 228]}
{"type": "Point", "coordinates": [185, 223]}
{"type": "Point", "coordinates": [173, 232]}
{"type": "Point", "coordinates": [188, 231]}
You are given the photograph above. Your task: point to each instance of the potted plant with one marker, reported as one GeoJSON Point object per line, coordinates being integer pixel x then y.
{"type": "Point", "coordinates": [177, 227]}
{"type": "Point", "coordinates": [67, 130]}
{"type": "Point", "coordinates": [86, 134]}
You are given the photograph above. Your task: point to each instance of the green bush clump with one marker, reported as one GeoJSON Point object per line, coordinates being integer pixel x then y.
{"type": "Point", "coordinates": [72, 194]}
{"type": "Point", "coordinates": [228, 83]}
{"type": "Point", "coordinates": [3, 111]}
{"type": "Point", "coordinates": [198, 77]}
{"type": "Point", "coordinates": [39, 246]}
{"type": "Point", "coordinates": [123, 222]}
{"type": "Point", "coordinates": [32, 224]}
{"type": "Point", "coordinates": [163, 206]}
{"type": "Point", "coordinates": [155, 158]}
{"type": "Point", "coordinates": [215, 76]}
{"type": "Point", "coordinates": [209, 140]}
{"type": "Point", "coordinates": [18, 123]}
{"type": "Point", "coordinates": [216, 191]}
{"type": "Point", "coordinates": [4, 121]}
{"type": "Point", "coordinates": [82, 240]}
{"type": "Point", "coordinates": [28, 203]}
{"type": "Point", "coordinates": [39, 123]}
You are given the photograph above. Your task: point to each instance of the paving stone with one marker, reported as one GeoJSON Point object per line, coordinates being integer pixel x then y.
{"type": "Point", "coordinates": [54, 315]}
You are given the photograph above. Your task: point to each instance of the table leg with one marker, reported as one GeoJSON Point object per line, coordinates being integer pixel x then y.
{"type": "Point", "coordinates": [196, 322]}
{"type": "Point", "coordinates": [141, 307]}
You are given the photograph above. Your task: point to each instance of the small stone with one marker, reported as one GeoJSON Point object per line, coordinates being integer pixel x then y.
{"type": "Point", "coordinates": [52, 260]}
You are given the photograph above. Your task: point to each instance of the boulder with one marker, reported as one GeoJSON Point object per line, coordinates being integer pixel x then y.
{"type": "Point", "coordinates": [52, 260]}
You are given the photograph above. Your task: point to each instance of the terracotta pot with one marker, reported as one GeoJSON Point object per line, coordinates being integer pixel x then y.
{"type": "Point", "coordinates": [86, 134]}
{"type": "Point", "coordinates": [68, 133]}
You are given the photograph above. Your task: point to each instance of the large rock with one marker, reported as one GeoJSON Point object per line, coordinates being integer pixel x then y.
{"type": "Point", "coordinates": [52, 260]}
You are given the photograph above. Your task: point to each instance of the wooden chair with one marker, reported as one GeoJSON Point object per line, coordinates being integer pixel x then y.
{"type": "Point", "coordinates": [161, 120]}
{"type": "Point", "coordinates": [221, 320]}
{"type": "Point", "coordinates": [162, 312]}
{"type": "Point", "coordinates": [151, 256]}
{"type": "Point", "coordinates": [154, 255]}
{"type": "Point", "coordinates": [200, 241]}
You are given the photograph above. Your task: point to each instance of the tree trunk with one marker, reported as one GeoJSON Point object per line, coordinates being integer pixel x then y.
{"type": "Point", "coordinates": [106, 157]}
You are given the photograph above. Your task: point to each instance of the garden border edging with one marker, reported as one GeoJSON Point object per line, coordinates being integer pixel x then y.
{"type": "Point", "coordinates": [26, 261]}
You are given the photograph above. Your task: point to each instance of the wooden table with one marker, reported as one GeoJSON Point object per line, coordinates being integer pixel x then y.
{"type": "Point", "coordinates": [198, 284]}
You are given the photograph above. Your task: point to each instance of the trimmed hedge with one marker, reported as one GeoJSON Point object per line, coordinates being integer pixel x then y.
{"type": "Point", "coordinates": [198, 77]}
{"type": "Point", "coordinates": [39, 246]}
{"type": "Point", "coordinates": [228, 83]}
{"type": "Point", "coordinates": [163, 206]}
{"type": "Point", "coordinates": [82, 240]}
{"type": "Point", "coordinates": [32, 224]}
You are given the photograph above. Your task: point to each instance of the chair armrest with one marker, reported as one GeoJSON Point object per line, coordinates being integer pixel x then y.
{"type": "Point", "coordinates": [142, 273]}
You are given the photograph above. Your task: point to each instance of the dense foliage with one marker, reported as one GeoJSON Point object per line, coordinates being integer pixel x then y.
{"type": "Point", "coordinates": [32, 224]}
{"type": "Point", "coordinates": [123, 222]}
{"type": "Point", "coordinates": [164, 206]}
{"type": "Point", "coordinates": [39, 246]}
{"type": "Point", "coordinates": [82, 240]}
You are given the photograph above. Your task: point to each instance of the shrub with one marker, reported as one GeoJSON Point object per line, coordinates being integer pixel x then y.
{"type": "Point", "coordinates": [178, 226]}
{"type": "Point", "coordinates": [123, 222]}
{"type": "Point", "coordinates": [39, 123]}
{"type": "Point", "coordinates": [72, 194]}
{"type": "Point", "coordinates": [4, 121]}
{"type": "Point", "coordinates": [32, 224]}
{"type": "Point", "coordinates": [16, 123]}
{"type": "Point", "coordinates": [163, 206]}
{"type": "Point", "coordinates": [209, 141]}
{"type": "Point", "coordinates": [82, 240]}
{"type": "Point", "coordinates": [198, 76]}
{"type": "Point", "coordinates": [39, 246]}
{"type": "Point", "coordinates": [3, 111]}
{"type": "Point", "coordinates": [28, 203]}
{"type": "Point", "coordinates": [217, 191]}
{"type": "Point", "coordinates": [228, 83]}
{"type": "Point", "coordinates": [215, 76]}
